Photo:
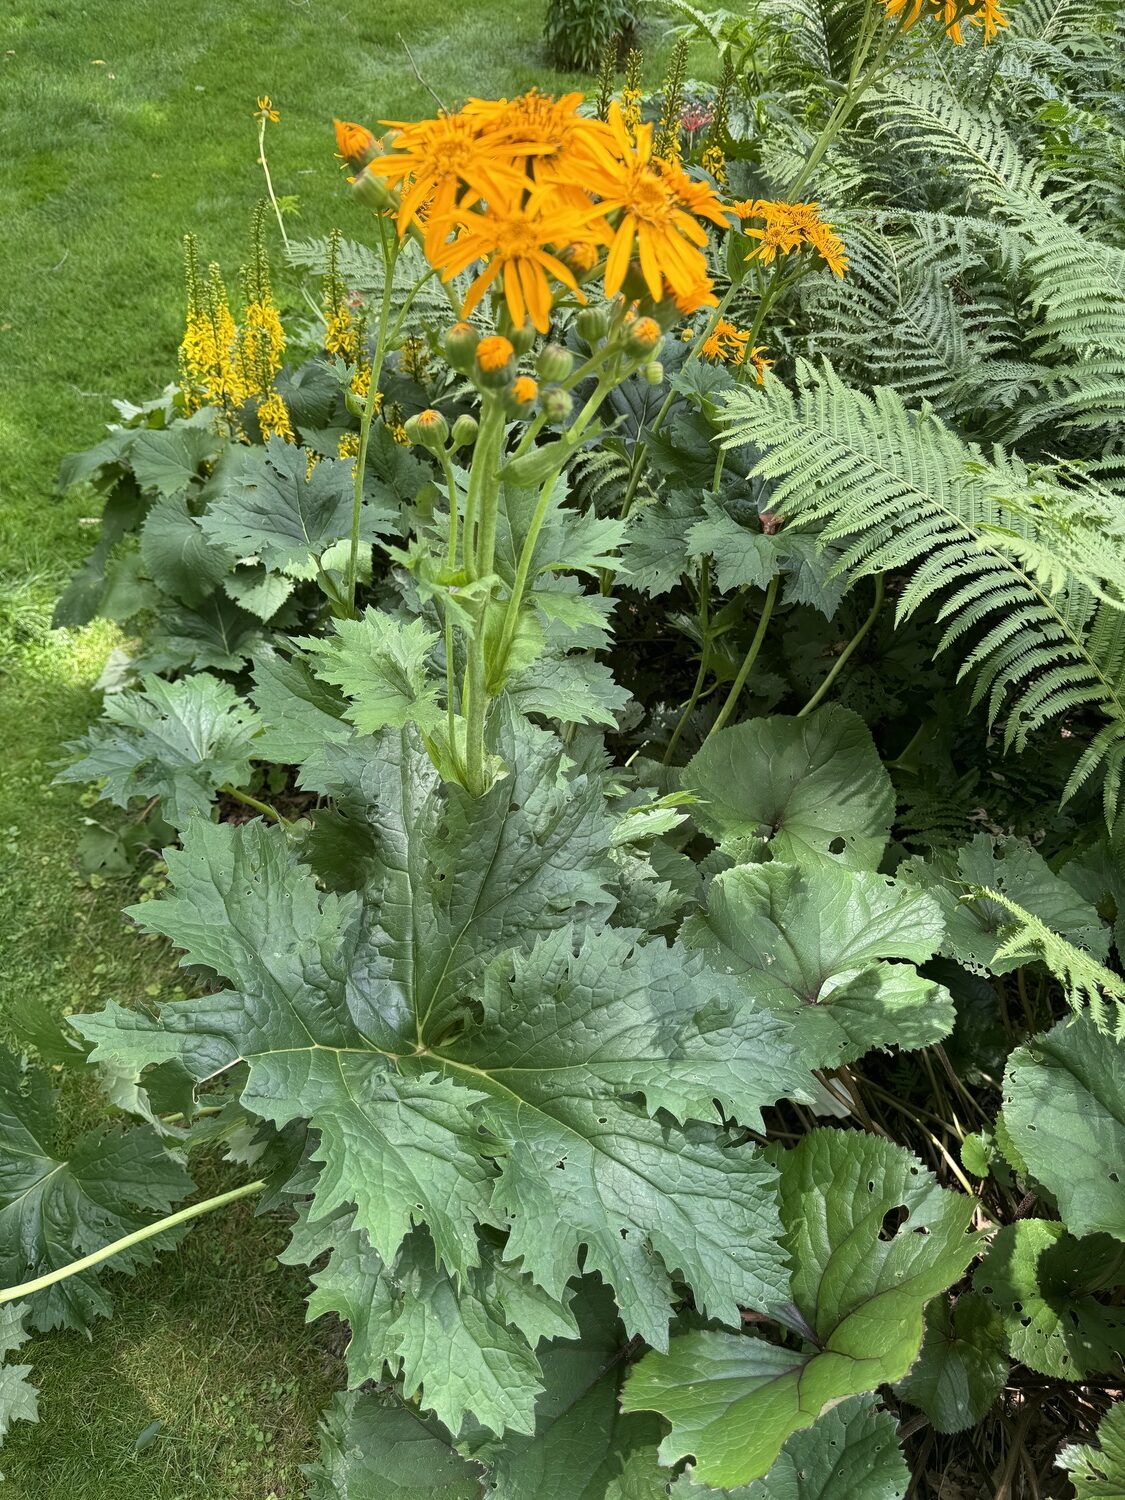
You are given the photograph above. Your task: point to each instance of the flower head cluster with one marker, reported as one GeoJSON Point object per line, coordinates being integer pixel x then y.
{"type": "Point", "coordinates": [532, 195]}
{"type": "Point", "coordinates": [785, 227]}
{"type": "Point", "coordinates": [726, 343]}
{"type": "Point", "coordinates": [224, 363]}
{"type": "Point", "coordinates": [950, 15]}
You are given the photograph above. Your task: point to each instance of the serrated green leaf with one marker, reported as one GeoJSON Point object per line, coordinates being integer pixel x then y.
{"type": "Point", "coordinates": [850, 1453]}
{"type": "Point", "coordinates": [404, 1030]}
{"type": "Point", "coordinates": [963, 1365]}
{"type": "Point", "coordinates": [1098, 1473]}
{"type": "Point", "coordinates": [872, 1237]}
{"type": "Point", "coordinates": [581, 1440]}
{"type": "Point", "coordinates": [178, 556]}
{"type": "Point", "coordinates": [451, 1344]}
{"type": "Point", "coordinates": [299, 712]}
{"type": "Point", "coordinates": [218, 636]}
{"type": "Point", "coordinates": [127, 592]}
{"type": "Point", "coordinates": [169, 459]}
{"type": "Point", "coordinates": [573, 689]}
{"type": "Point", "coordinates": [255, 590]}
{"type": "Point", "coordinates": [373, 1451]}
{"type": "Point", "coordinates": [1042, 1281]}
{"type": "Point", "coordinates": [19, 1399]}
{"type": "Point", "coordinates": [975, 929]}
{"type": "Point", "coordinates": [807, 787]}
{"type": "Point", "coordinates": [57, 1205]}
{"type": "Point", "coordinates": [284, 516]}
{"type": "Point", "coordinates": [812, 944]}
{"type": "Point", "coordinates": [179, 741]}
{"type": "Point", "coordinates": [658, 555]}
{"type": "Point", "coordinates": [381, 665]}
{"type": "Point", "coordinates": [1064, 1106]}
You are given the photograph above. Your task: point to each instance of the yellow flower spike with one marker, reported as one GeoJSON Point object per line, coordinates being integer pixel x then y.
{"type": "Point", "coordinates": [273, 417]}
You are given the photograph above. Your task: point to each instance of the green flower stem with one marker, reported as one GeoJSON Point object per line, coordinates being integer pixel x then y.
{"type": "Point", "coordinates": [40, 1283]}
{"type": "Point", "coordinates": [704, 660]}
{"type": "Point", "coordinates": [389, 242]}
{"type": "Point", "coordinates": [527, 553]}
{"type": "Point", "coordinates": [263, 807]}
{"type": "Point", "coordinates": [479, 548]}
{"type": "Point", "coordinates": [849, 650]}
{"type": "Point", "coordinates": [750, 658]}
{"type": "Point", "coordinates": [857, 86]}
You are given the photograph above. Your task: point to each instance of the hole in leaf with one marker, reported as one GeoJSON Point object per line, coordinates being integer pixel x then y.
{"type": "Point", "coordinates": [893, 1220]}
{"type": "Point", "coordinates": [1113, 1177]}
{"type": "Point", "coordinates": [837, 846]}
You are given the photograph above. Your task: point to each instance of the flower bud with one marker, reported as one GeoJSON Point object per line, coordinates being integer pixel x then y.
{"type": "Point", "coordinates": [464, 433]}
{"type": "Point", "coordinates": [428, 429]}
{"type": "Point", "coordinates": [461, 345]}
{"type": "Point", "coordinates": [582, 256]}
{"type": "Point", "coordinates": [522, 338]}
{"type": "Point", "coordinates": [593, 323]}
{"type": "Point", "coordinates": [355, 143]}
{"type": "Point", "coordinates": [555, 363]}
{"type": "Point", "coordinates": [495, 362]}
{"type": "Point", "coordinates": [653, 372]}
{"type": "Point", "coordinates": [643, 336]}
{"type": "Point", "coordinates": [557, 407]}
{"type": "Point", "coordinates": [522, 395]}
{"type": "Point", "coordinates": [634, 285]}
{"type": "Point", "coordinates": [373, 192]}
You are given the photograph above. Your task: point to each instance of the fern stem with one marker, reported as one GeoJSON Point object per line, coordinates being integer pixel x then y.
{"type": "Point", "coordinates": [749, 659]}
{"type": "Point", "coordinates": [76, 1267]}
{"type": "Point", "coordinates": [849, 650]}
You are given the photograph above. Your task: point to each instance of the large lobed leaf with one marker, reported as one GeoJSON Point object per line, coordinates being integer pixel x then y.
{"type": "Point", "coordinates": [814, 944]}
{"type": "Point", "coordinates": [1064, 1107]}
{"type": "Point", "coordinates": [872, 1237]}
{"type": "Point", "coordinates": [792, 788]}
{"type": "Point", "coordinates": [58, 1204]}
{"type": "Point", "coordinates": [472, 1052]}
{"type": "Point", "coordinates": [179, 741]}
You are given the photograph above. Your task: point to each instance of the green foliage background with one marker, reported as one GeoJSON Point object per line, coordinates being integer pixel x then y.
{"type": "Point", "coordinates": [123, 125]}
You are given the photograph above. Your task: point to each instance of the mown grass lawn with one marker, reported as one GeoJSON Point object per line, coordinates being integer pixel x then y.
{"type": "Point", "coordinates": [125, 123]}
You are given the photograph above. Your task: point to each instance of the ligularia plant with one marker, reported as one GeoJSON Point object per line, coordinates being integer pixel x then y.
{"type": "Point", "coordinates": [665, 1094]}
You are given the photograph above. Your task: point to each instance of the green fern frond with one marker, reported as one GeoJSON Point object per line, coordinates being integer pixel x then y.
{"type": "Point", "coordinates": [1085, 982]}
{"type": "Point", "coordinates": [1029, 573]}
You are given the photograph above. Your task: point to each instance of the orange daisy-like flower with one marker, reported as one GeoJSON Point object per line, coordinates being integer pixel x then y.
{"type": "Point", "coordinates": [756, 358]}
{"type": "Point", "coordinates": [726, 343]}
{"type": "Point", "coordinates": [512, 236]}
{"type": "Point", "coordinates": [788, 226]}
{"type": "Point", "coordinates": [652, 218]}
{"type": "Point", "coordinates": [949, 14]}
{"type": "Point", "coordinates": [434, 163]}
{"type": "Point", "coordinates": [557, 141]}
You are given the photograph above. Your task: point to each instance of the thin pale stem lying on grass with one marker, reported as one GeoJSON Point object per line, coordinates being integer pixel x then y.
{"type": "Point", "coordinates": [161, 1226]}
